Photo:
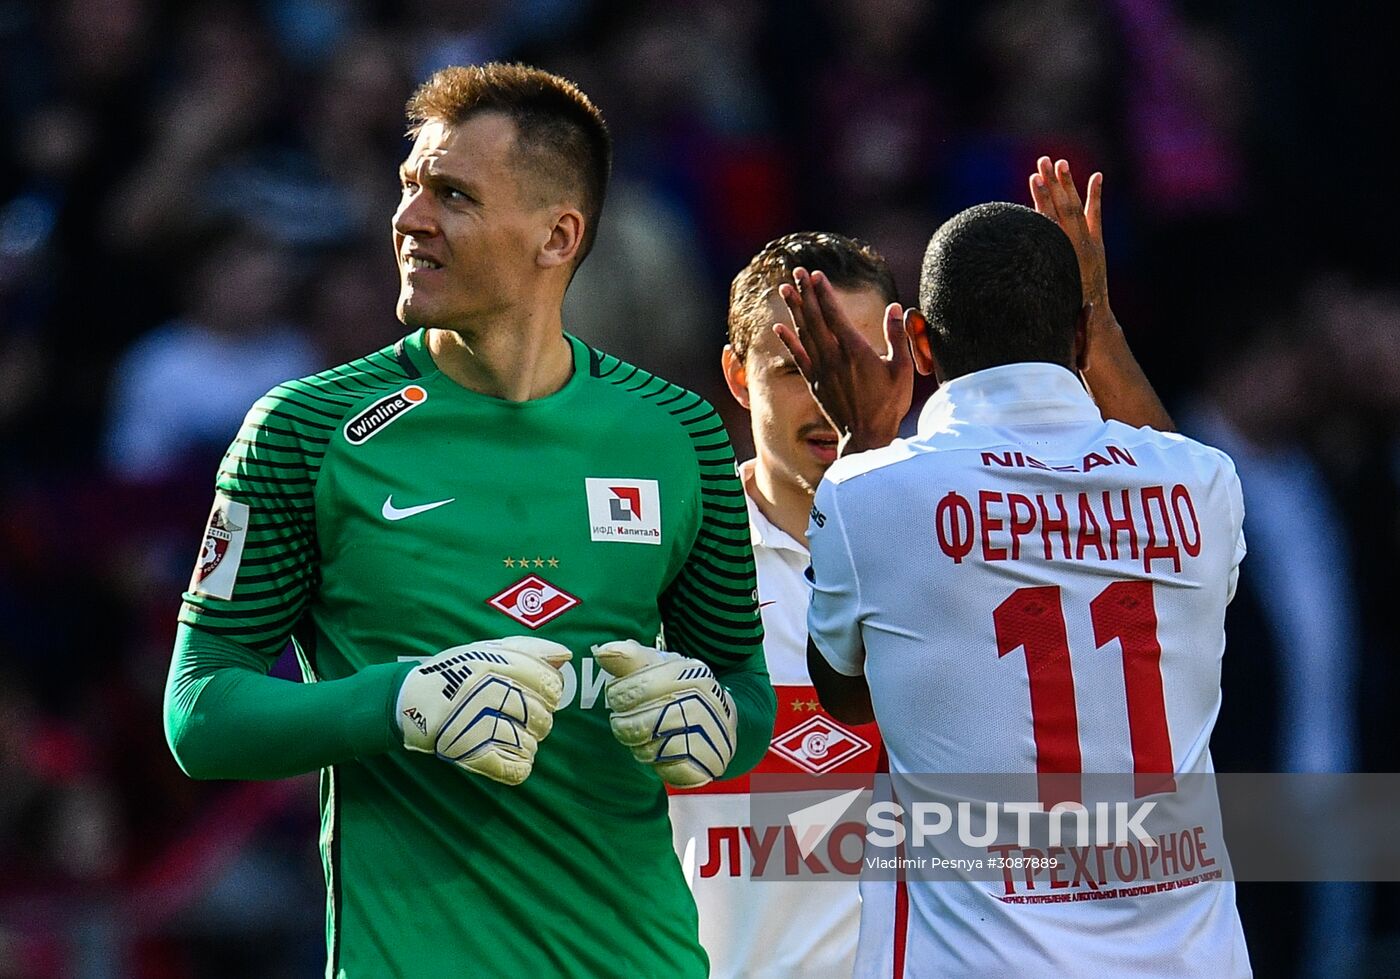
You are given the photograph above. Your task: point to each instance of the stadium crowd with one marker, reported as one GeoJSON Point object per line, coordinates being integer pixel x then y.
{"type": "Point", "coordinates": [195, 203]}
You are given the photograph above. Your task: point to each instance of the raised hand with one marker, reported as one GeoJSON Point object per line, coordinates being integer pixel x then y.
{"type": "Point", "coordinates": [864, 393]}
{"type": "Point", "coordinates": [1110, 370]}
{"type": "Point", "coordinates": [1054, 194]}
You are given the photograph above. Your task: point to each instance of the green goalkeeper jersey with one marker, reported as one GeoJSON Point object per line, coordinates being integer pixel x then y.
{"type": "Point", "coordinates": [379, 512]}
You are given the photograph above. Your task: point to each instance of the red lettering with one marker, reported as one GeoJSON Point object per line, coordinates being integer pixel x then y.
{"type": "Point", "coordinates": [1005, 850]}
{"type": "Point", "coordinates": [1088, 538]}
{"type": "Point", "coordinates": [1147, 857]}
{"type": "Point", "coordinates": [1206, 861]}
{"type": "Point", "coordinates": [1192, 541]}
{"type": "Point", "coordinates": [1155, 550]}
{"type": "Point", "coordinates": [761, 848]}
{"type": "Point", "coordinates": [1047, 525]}
{"type": "Point", "coordinates": [791, 853]}
{"type": "Point", "coordinates": [1116, 525]}
{"type": "Point", "coordinates": [985, 498]}
{"type": "Point", "coordinates": [1188, 851]}
{"type": "Point", "coordinates": [1171, 859]}
{"type": "Point", "coordinates": [1019, 527]}
{"type": "Point", "coordinates": [713, 840]}
{"type": "Point", "coordinates": [991, 458]}
{"type": "Point", "coordinates": [1035, 859]}
{"type": "Point", "coordinates": [1082, 873]}
{"type": "Point", "coordinates": [834, 848]}
{"type": "Point", "coordinates": [953, 520]}
{"type": "Point", "coordinates": [1094, 459]}
{"type": "Point", "coordinates": [1121, 455]}
{"type": "Point", "coordinates": [1130, 872]}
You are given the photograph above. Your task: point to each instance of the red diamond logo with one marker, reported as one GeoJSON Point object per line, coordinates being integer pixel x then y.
{"type": "Point", "coordinates": [532, 601]}
{"type": "Point", "coordinates": [819, 744]}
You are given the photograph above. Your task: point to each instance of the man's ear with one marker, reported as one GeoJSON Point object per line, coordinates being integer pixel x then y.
{"type": "Point", "coordinates": [565, 239]}
{"type": "Point", "coordinates": [736, 375]}
{"type": "Point", "coordinates": [916, 329]}
{"type": "Point", "coordinates": [1080, 352]}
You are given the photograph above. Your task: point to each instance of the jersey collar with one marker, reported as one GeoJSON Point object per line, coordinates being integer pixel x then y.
{"type": "Point", "coordinates": [762, 531]}
{"type": "Point", "coordinates": [1013, 394]}
{"type": "Point", "coordinates": [415, 348]}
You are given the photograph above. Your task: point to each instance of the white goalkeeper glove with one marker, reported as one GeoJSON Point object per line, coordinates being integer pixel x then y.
{"type": "Point", "coordinates": [484, 706]}
{"type": "Point", "coordinates": [670, 710]}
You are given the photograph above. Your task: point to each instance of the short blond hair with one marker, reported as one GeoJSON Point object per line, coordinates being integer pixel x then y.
{"type": "Point", "coordinates": [560, 132]}
{"type": "Point", "coordinates": [847, 262]}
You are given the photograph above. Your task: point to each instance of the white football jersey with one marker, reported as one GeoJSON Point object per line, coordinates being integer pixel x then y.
{"type": "Point", "coordinates": [774, 929]}
{"type": "Point", "coordinates": [1030, 589]}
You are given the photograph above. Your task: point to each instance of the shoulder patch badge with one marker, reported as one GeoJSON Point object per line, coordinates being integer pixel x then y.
{"type": "Point", "coordinates": [366, 424]}
{"type": "Point", "coordinates": [222, 551]}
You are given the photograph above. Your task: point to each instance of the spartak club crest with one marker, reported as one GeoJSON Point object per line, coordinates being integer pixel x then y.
{"type": "Point", "coordinates": [532, 601]}
{"type": "Point", "coordinates": [217, 537]}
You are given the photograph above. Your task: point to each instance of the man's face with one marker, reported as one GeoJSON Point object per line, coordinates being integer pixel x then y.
{"type": "Point", "coordinates": [466, 232]}
{"type": "Point", "coordinates": [792, 439]}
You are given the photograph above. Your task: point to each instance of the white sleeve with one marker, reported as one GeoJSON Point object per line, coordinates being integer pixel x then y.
{"type": "Point", "coordinates": [833, 620]}
{"type": "Point", "coordinates": [1235, 493]}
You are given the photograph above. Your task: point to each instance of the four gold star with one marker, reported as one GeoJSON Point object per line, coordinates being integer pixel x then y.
{"type": "Point", "coordinates": [526, 562]}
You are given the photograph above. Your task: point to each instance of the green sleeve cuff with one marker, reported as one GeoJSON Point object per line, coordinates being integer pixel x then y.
{"type": "Point", "coordinates": [757, 704]}
{"type": "Point", "coordinates": [226, 718]}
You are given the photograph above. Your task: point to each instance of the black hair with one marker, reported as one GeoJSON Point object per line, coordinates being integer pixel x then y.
{"type": "Point", "coordinates": [1000, 285]}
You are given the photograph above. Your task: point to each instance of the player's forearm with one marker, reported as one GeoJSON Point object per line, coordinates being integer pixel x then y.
{"type": "Point", "coordinates": [757, 706]}
{"type": "Point", "coordinates": [1117, 383]}
{"type": "Point", "coordinates": [225, 718]}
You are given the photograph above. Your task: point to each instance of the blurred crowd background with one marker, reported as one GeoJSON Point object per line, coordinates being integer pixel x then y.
{"type": "Point", "coordinates": [195, 202]}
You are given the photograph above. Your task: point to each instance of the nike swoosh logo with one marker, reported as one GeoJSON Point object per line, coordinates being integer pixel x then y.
{"type": "Point", "coordinates": [392, 512]}
{"type": "Point", "coordinates": [766, 604]}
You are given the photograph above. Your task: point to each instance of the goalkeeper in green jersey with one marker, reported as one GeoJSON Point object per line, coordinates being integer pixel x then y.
{"type": "Point", "coordinates": [517, 575]}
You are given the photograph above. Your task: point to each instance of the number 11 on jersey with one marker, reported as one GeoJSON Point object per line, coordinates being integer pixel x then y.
{"type": "Point", "coordinates": [1034, 619]}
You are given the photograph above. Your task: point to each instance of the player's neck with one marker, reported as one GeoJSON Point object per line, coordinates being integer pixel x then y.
{"type": "Point", "coordinates": [518, 360]}
{"type": "Point", "coordinates": [786, 505]}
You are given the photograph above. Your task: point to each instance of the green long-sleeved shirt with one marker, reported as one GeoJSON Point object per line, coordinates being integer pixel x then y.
{"type": "Point", "coordinates": [378, 512]}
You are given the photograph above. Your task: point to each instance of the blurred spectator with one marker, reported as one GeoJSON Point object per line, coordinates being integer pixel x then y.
{"type": "Point", "coordinates": [1299, 677]}
{"type": "Point", "coordinates": [1185, 99]}
{"type": "Point", "coordinates": [352, 300]}
{"type": "Point", "coordinates": [640, 295]}
{"type": "Point", "coordinates": [182, 389]}
{"type": "Point", "coordinates": [143, 131]}
{"type": "Point", "coordinates": [206, 162]}
{"type": "Point", "coordinates": [1292, 671]}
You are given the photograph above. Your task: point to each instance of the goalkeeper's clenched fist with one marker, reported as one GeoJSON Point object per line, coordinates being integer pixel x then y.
{"type": "Point", "coordinates": [670, 710]}
{"type": "Point", "coordinates": [484, 706]}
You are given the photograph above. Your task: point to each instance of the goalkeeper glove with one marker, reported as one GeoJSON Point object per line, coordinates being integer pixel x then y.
{"type": "Point", "coordinates": [484, 706]}
{"type": "Point", "coordinates": [670, 710]}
